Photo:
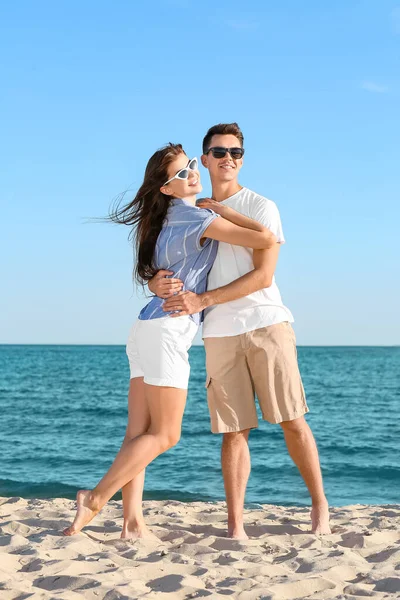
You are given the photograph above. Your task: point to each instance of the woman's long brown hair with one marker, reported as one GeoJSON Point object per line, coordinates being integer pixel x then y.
{"type": "Point", "coordinates": [148, 210]}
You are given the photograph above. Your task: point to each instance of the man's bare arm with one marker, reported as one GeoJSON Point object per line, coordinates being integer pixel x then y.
{"type": "Point", "coordinates": [188, 303]}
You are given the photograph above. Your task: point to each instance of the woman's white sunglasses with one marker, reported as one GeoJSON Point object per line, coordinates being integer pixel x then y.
{"type": "Point", "coordinates": [184, 173]}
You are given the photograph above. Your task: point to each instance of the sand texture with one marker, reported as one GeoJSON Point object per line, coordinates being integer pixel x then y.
{"type": "Point", "coordinates": [194, 559]}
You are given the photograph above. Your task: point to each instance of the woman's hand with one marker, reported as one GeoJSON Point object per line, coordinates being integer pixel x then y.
{"type": "Point", "coordinates": [163, 286]}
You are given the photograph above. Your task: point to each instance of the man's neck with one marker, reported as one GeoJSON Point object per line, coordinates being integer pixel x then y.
{"type": "Point", "coordinates": [225, 189]}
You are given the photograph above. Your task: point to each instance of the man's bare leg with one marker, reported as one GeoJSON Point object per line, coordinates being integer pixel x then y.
{"type": "Point", "coordinates": [236, 466]}
{"type": "Point", "coordinates": [303, 451]}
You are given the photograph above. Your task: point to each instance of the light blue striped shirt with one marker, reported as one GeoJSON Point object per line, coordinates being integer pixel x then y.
{"type": "Point", "coordinates": [178, 249]}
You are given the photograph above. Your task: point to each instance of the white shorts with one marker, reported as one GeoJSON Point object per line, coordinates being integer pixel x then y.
{"type": "Point", "coordinates": [157, 350]}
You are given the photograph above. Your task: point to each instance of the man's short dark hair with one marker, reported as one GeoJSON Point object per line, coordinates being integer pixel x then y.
{"type": "Point", "coordinates": [222, 129]}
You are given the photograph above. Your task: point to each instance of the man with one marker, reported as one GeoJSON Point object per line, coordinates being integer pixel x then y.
{"type": "Point", "coordinates": [249, 341]}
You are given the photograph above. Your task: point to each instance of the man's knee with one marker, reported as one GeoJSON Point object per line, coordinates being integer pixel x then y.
{"type": "Point", "coordinates": [236, 437]}
{"type": "Point", "coordinates": [297, 426]}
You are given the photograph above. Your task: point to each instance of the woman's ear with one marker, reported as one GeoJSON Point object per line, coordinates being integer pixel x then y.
{"type": "Point", "coordinates": [166, 190]}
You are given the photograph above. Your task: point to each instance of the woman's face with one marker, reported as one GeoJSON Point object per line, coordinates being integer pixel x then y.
{"type": "Point", "coordinates": [182, 188]}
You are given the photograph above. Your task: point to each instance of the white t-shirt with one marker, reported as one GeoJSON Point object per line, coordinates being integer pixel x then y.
{"type": "Point", "coordinates": [261, 308]}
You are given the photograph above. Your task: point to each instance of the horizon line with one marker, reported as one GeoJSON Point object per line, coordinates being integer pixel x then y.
{"type": "Point", "coordinates": [199, 345]}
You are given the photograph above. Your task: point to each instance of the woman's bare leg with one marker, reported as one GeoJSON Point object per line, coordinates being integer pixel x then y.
{"type": "Point", "coordinates": [166, 406]}
{"type": "Point", "coordinates": [132, 493]}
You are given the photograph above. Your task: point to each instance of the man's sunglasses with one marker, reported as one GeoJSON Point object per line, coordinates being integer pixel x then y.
{"type": "Point", "coordinates": [192, 165]}
{"type": "Point", "coordinates": [220, 152]}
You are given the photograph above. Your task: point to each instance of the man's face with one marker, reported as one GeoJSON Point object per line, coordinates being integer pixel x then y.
{"type": "Point", "coordinates": [226, 168]}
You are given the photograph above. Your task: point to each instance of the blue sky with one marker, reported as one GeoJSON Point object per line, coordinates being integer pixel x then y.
{"type": "Point", "coordinates": [90, 90]}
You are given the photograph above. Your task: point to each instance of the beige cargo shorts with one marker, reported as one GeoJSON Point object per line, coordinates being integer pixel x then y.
{"type": "Point", "coordinates": [262, 362]}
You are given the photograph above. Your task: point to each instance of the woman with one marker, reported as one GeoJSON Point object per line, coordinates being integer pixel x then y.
{"type": "Point", "coordinates": [171, 233]}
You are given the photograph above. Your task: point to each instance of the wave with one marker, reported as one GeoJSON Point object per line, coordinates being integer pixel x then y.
{"type": "Point", "coordinates": [339, 472]}
{"type": "Point", "coordinates": [57, 489]}
{"type": "Point", "coordinates": [27, 489]}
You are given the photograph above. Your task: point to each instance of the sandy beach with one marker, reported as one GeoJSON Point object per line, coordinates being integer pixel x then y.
{"type": "Point", "coordinates": [194, 559]}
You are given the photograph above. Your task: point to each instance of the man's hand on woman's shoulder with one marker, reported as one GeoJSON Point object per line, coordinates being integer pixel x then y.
{"type": "Point", "coordinates": [215, 206]}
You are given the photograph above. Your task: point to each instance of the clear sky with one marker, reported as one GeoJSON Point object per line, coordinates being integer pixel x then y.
{"type": "Point", "coordinates": [90, 89]}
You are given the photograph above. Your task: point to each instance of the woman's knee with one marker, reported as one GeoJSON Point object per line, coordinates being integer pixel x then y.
{"type": "Point", "coordinates": [133, 432]}
{"type": "Point", "coordinates": [168, 439]}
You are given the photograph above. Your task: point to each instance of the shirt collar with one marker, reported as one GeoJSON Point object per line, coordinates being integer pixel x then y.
{"type": "Point", "coordinates": [176, 201]}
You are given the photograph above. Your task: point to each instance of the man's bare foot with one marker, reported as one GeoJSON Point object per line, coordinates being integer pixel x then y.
{"type": "Point", "coordinates": [136, 531]}
{"type": "Point", "coordinates": [237, 533]}
{"type": "Point", "coordinates": [320, 519]}
{"type": "Point", "coordinates": [84, 512]}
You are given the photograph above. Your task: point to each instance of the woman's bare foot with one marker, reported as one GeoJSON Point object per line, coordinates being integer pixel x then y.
{"type": "Point", "coordinates": [84, 514]}
{"type": "Point", "coordinates": [135, 531]}
{"type": "Point", "coordinates": [237, 533]}
{"type": "Point", "coordinates": [320, 519]}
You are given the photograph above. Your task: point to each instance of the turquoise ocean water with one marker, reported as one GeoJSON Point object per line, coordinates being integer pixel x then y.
{"type": "Point", "coordinates": [63, 417]}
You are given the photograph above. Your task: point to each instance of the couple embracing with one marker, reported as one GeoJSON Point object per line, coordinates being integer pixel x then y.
{"type": "Point", "coordinates": [214, 258]}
